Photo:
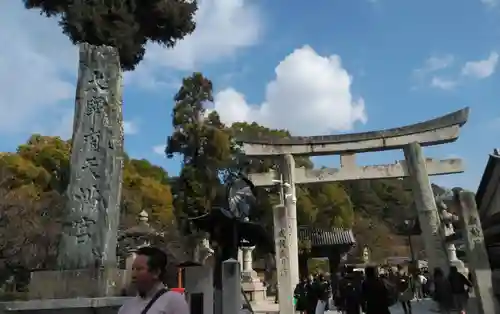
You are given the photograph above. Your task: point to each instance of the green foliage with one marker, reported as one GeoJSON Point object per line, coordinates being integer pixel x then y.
{"type": "Point", "coordinates": [204, 144]}
{"type": "Point", "coordinates": [145, 169]}
{"type": "Point", "coordinates": [32, 185]}
{"type": "Point", "coordinates": [333, 205]}
{"type": "Point", "coordinates": [125, 24]}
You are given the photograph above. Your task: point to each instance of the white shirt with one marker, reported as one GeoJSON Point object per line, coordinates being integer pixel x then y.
{"type": "Point", "coordinates": [170, 302]}
{"type": "Point", "coordinates": [422, 280]}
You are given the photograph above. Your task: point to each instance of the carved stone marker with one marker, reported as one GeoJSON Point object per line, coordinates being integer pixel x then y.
{"type": "Point", "coordinates": [283, 239]}
{"type": "Point", "coordinates": [477, 255]}
{"type": "Point", "coordinates": [90, 224]}
{"type": "Point", "coordinates": [87, 249]}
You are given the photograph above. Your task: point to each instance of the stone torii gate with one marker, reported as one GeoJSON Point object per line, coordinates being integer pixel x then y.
{"type": "Point", "coordinates": [410, 138]}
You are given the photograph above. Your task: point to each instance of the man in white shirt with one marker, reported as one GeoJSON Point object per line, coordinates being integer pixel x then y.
{"type": "Point", "coordinates": [420, 283]}
{"type": "Point", "coordinates": [148, 271]}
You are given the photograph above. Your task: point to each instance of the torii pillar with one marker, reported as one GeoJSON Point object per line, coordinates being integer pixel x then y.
{"type": "Point", "coordinates": [290, 201]}
{"type": "Point", "coordinates": [428, 215]}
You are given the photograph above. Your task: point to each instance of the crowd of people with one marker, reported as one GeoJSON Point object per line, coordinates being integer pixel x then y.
{"type": "Point", "coordinates": [375, 290]}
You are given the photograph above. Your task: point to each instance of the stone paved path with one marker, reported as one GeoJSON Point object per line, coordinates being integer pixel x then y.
{"type": "Point", "coordinates": [422, 307]}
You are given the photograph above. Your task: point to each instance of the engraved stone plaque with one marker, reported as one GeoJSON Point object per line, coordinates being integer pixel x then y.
{"type": "Point", "coordinates": [89, 234]}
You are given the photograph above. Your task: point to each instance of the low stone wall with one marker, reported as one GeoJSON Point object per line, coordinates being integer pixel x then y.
{"type": "Point", "coordinates": [107, 305]}
{"type": "Point", "coordinates": [76, 283]}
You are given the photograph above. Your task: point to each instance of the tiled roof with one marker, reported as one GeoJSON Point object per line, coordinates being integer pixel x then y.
{"type": "Point", "coordinates": [320, 237]}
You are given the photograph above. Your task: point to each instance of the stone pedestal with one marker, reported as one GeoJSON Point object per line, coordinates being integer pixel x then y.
{"type": "Point", "coordinates": [250, 282]}
{"type": "Point", "coordinates": [254, 291]}
{"type": "Point", "coordinates": [77, 284]}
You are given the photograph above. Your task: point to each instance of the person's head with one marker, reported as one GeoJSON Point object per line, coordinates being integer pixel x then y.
{"type": "Point", "coordinates": [349, 269]}
{"type": "Point", "coordinates": [453, 269]}
{"type": "Point", "coordinates": [148, 268]}
{"type": "Point", "coordinates": [399, 268]}
{"type": "Point", "coordinates": [370, 272]}
{"type": "Point", "coordinates": [438, 273]}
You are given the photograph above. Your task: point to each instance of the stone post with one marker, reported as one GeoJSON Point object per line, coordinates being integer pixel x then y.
{"type": "Point", "coordinates": [477, 255]}
{"type": "Point", "coordinates": [282, 237]}
{"type": "Point", "coordinates": [199, 287]}
{"type": "Point", "coordinates": [428, 216]}
{"type": "Point", "coordinates": [231, 287]}
{"type": "Point", "coordinates": [290, 201]}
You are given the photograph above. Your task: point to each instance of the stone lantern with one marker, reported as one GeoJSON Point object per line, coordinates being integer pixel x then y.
{"type": "Point", "coordinates": [141, 234]}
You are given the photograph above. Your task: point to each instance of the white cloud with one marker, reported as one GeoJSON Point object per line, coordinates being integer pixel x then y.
{"type": "Point", "coordinates": [36, 69]}
{"type": "Point", "coordinates": [442, 83]}
{"type": "Point", "coordinates": [479, 69]}
{"type": "Point", "coordinates": [482, 68]}
{"type": "Point", "coordinates": [159, 149]}
{"type": "Point", "coordinates": [130, 127]}
{"type": "Point", "coordinates": [490, 3]}
{"type": "Point", "coordinates": [431, 66]}
{"type": "Point", "coordinates": [435, 63]}
{"type": "Point", "coordinates": [311, 94]}
{"type": "Point", "coordinates": [223, 27]}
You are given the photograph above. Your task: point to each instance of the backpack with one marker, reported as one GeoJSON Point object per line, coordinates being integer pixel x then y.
{"type": "Point", "coordinates": [349, 289]}
{"type": "Point", "coordinates": [392, 292]}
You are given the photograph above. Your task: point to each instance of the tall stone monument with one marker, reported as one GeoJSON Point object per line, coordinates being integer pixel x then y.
{"type": "Point", "coordinates": [87, 250]}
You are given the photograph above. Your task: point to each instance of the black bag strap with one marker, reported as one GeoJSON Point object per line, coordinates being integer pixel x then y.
{"type": "Point", "coordinates": [153, 300]}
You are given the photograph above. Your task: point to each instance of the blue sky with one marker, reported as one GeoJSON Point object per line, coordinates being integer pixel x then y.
{"type": "Point", "coordinates": [314, 67]}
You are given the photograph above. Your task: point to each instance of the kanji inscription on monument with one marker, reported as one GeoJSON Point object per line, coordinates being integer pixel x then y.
{"type": "Point", "coordinates": [93, 196]}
